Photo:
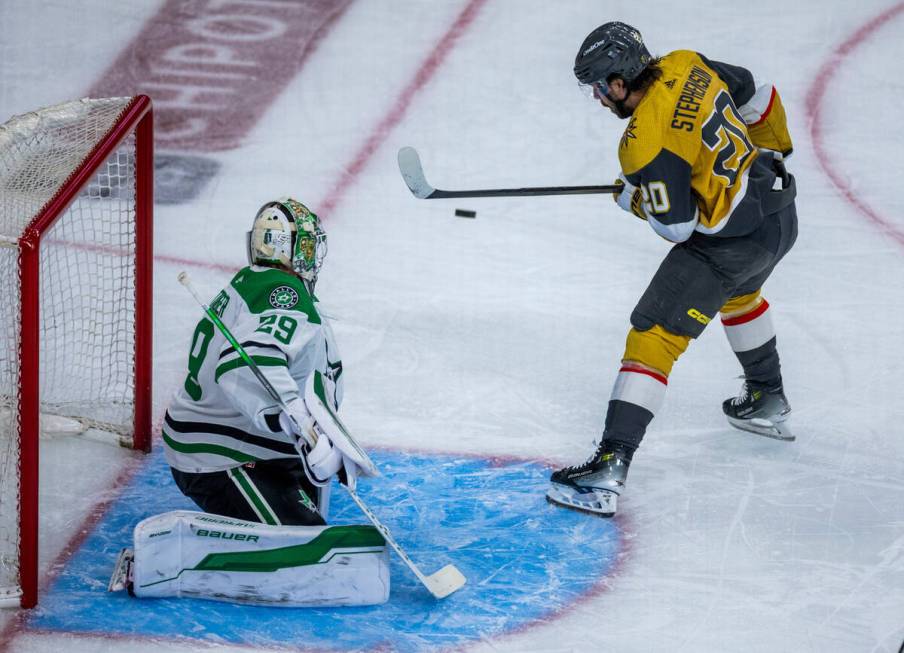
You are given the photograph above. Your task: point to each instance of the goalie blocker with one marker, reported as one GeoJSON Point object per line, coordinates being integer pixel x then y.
{"type": "Point", "coordinates": [200, 555]}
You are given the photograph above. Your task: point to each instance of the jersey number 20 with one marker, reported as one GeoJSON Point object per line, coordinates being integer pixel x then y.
{"type": "Point", "coordinates": [725, 133]}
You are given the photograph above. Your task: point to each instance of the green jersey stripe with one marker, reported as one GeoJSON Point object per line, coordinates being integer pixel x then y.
{"type": "Point", "coordinates": [201, 447]}
{"type": "Point", "coordinates": [262, 361]}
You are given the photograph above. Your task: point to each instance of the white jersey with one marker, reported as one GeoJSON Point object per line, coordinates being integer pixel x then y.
{"type": "Point", "coordinates": [222, 417]}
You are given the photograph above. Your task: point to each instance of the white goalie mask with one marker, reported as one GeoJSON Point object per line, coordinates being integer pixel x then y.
{"type": "Point", "coordinates": [286, 233]}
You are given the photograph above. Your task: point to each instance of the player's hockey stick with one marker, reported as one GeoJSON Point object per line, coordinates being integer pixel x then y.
{"type": "Point", "coordinates": [440, 583]}
{"type": "Point", "coordinates": [413, 174]}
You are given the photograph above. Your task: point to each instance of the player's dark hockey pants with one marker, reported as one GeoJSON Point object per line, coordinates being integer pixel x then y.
{"type": "Point", "coordinates": [696, 280]}
{"type": "Point", "coordinates": [267, 491]}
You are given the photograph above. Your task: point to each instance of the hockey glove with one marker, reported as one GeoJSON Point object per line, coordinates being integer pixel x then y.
{"type": "Point", "coordinates": [323, 460]}
{"type": "Point", "coordinates": [630, 198]}
{"type": "Point", "coordinates": [326, 460]}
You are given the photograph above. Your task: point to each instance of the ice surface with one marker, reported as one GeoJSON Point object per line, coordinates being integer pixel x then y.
{"type": "Point", "coordinates": [502, 335]}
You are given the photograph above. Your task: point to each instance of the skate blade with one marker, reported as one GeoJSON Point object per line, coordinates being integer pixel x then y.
{"type": "Point", "coordinates": [774, 430]}
{"type": "Point", "coordinates": [121, 579]}
{"type": "Point", "coordinates": [598, 502]}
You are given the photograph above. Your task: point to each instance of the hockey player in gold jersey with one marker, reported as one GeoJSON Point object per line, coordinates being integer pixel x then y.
{"type": "Point", "coordinates": [702, 160]}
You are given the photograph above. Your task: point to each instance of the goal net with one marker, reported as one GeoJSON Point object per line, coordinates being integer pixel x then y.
{"type": "Point", "coordinates": [75, 266]}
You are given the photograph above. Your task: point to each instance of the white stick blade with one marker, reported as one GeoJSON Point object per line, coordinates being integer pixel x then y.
{"type": "Point", "coordinates": [413, 173]}
{"type": "Point", "coordinates": [447, 580]}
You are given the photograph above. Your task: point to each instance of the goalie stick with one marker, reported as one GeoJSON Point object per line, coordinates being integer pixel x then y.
{"type": "Point", "coordinates": [413, 174]}
{"type": "Point", "coordinates": [441, 583]}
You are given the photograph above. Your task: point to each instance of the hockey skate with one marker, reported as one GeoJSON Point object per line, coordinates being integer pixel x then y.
{"type": "Point", "coordinates": [594, 486]}
{"type": "Point", "coordinates": [121, 579]}
{"type": "Point", "coordinates": [761, 410]}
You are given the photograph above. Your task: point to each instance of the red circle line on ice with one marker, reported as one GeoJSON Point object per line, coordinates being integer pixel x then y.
{"type": "Point", "coordinates": [815, 96]}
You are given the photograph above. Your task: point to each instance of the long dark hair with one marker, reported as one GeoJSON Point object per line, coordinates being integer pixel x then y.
{"type": "Point", "coordinates": [647, 76]}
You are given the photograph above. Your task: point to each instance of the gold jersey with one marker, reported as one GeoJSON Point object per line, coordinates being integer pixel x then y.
{"type": "Point", "coordinates": [690, 152]}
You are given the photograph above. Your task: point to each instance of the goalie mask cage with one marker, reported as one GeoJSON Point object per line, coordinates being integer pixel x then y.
{"type": "Point", "coordinates": [76, 261]}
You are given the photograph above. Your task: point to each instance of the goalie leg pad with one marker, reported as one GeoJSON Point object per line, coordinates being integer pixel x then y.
{"type": "Point", "coordinates": [200, 555]}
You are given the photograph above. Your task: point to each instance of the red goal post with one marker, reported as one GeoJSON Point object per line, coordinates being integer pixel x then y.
{"type": "Point", "coordinates": [76, 265]}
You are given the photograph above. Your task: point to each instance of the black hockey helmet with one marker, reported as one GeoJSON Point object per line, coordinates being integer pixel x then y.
{"type": "Point", "coordinates": [611, 49]}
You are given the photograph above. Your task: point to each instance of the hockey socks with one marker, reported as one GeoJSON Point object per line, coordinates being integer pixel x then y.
{"type": "Point", "coordinates": [752, 338]}
{"type": "Point", "coordinates": [595, 485]}
{"type": "Point", "coordinates": [636, 397]}
{"type": "Point", "coordinates": [761, 407]}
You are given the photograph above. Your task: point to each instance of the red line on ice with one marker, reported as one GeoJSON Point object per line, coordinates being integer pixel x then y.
{"type": "Point", "coordinates": [19, 621]}
{"type": "Point", "coordinates": [351, 171]}
{"type": "Point", "coordinates": [814, 99]}
{"type": "Point", "coordinates": [421, 78]}
{"type": "Point", "coordinates": [346, 179]}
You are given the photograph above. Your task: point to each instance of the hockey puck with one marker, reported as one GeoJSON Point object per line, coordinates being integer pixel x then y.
{"type": "Point", "coordinates": [464, 213]}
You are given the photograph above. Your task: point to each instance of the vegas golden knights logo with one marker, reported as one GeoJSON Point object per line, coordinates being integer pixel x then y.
{"type": "Point", "coordinates": [629, 132]}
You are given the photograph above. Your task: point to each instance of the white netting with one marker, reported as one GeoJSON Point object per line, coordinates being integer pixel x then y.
{"type": "Point", "coordinates": [87, 292]}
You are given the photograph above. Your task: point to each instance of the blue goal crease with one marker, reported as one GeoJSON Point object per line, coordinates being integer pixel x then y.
{"type": "Point", "coordinates": [525, 562]}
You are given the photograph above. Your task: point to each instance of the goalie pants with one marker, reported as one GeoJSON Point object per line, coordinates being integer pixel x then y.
{"type": "Point", "coordinates": [697, 279]}
{"type": "Point", "coordinates": [275, 492]}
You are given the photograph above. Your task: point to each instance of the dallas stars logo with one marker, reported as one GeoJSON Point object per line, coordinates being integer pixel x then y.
{"type": "Point", "coordinates": [283, 297]}
{"type": "Point", "coordinates": [629, 132]}
{"type": "Point", "coordinates": [305, 500]}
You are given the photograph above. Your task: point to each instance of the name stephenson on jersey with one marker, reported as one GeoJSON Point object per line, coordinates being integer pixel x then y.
{"type": "Point", "coordinates": [690, 151]}
{"type": "Point", "coordinates": [222, 416]}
